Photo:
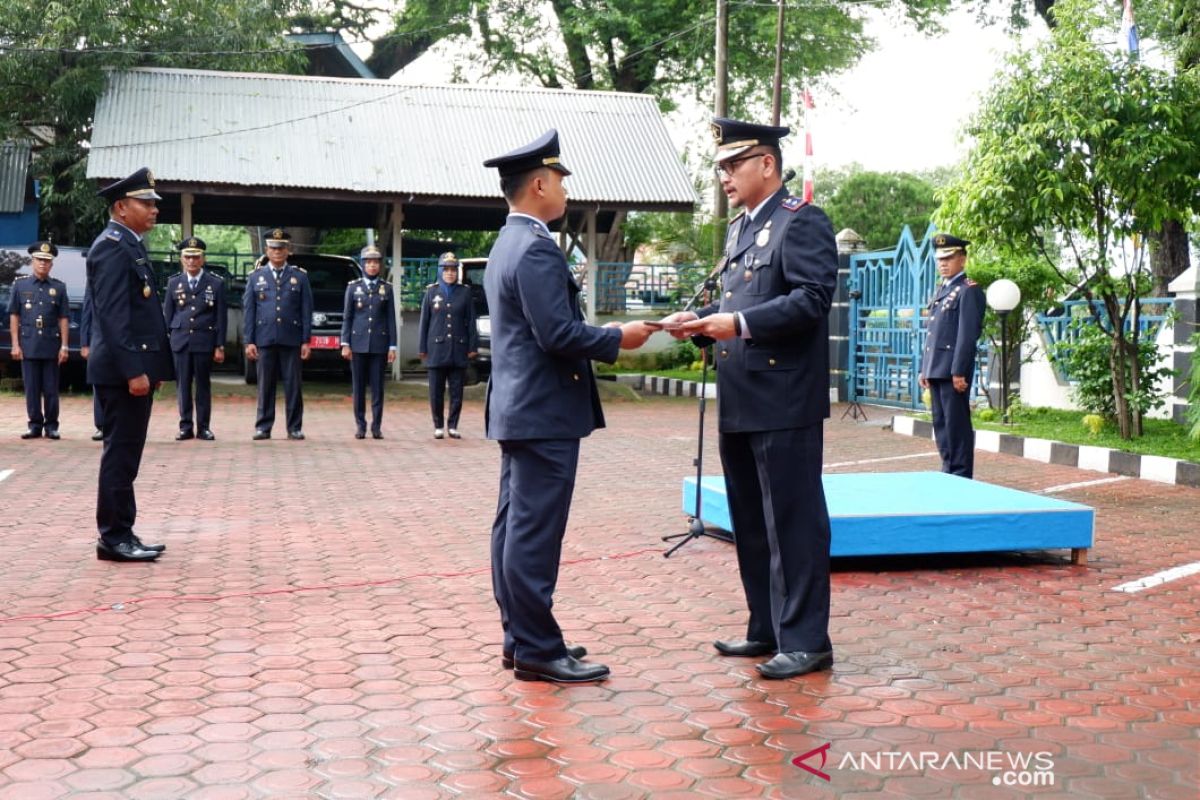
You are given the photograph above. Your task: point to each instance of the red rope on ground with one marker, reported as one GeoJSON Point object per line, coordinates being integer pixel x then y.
{"type": "Point", "coordinates": [323, 587]}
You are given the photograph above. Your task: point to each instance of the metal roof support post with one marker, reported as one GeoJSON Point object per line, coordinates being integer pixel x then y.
{"type": "Point", "coordinates": [398, 286]}
{"type": "Point", "coordinates": [185, 203]}
{"type": "Point", "coordinates": [593, 282]}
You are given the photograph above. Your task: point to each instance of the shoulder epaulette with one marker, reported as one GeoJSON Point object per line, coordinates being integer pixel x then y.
{"type": "Point", "coordinates": [113, 233]}
{"type": "Point", "coordinates": [970, 282]}
{"type": "Point", "coordinates": [431, 285]}
{"type": "Point", "coordinates": [353, 281]}
{"type": "Point", "coordinates": [793, 203]}
{"type": "Point", "coordinates": [540, 231]}
{"type": "Point", "coordinates": [302, 269]}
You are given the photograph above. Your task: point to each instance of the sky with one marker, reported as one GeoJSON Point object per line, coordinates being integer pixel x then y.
{"type": "Point", "coordinates": [900, 109]}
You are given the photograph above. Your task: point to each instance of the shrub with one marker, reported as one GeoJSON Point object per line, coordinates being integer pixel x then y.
{"type": "Point", "coordinates": [1087, 360]}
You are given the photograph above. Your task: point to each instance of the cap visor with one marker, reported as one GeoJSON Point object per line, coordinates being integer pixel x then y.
{"type": "Point", "coordinates": [45, 256]}
{"type": "Point", "coordinates": [560, 167]}
{"type": "Point", "coordinates": [732, 152]}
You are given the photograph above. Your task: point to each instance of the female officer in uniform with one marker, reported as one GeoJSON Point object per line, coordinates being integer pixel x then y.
{"type": "Point", "coordinates": [447, 342]}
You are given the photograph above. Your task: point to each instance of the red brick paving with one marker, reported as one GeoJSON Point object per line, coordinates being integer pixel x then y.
{"type": "Point", "coordinates": [322, 626]}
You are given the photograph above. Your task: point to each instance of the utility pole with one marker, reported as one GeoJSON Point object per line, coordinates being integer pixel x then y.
{"type": "Point", "coordinates": [777, 96]}
{"type": "Point", "coordinates": [721, 109]}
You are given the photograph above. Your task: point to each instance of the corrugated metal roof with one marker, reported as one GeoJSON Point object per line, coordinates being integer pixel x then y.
{"type": "Point", "coordinates": [377, 137]}
{"type": "Point", "coordinates": [14, 169]}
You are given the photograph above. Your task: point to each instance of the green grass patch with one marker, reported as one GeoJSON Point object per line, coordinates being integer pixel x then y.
{"type": "Point", "coordinates": [1162, 436]}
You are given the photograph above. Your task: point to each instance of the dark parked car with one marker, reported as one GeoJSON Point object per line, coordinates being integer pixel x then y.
{"type": "Point", "coordinates": [328, 276]}
{"type": "Point", "coordinates": [70, 267]}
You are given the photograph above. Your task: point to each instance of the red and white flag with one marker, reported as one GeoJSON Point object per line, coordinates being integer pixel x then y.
{"type": "Point", "coordinates": [808, 147]}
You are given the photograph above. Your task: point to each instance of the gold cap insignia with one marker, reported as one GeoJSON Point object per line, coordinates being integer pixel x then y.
{"type": "Point", "coordinates": [277, 234]}
{"type": "Point", "coordinates": [45, 247]}
{"type": "Point", "coordinates": [150, 178]}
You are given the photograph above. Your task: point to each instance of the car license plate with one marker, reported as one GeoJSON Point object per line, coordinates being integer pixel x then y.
{"type": "Point", "coordinates": [324, 342]}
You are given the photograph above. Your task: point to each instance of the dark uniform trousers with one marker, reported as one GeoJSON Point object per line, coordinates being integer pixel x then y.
{"type": "Point", "coordinates": [40, 376]}
{"type": "Point", "coordinates": [777, 504]}
{"type": "Point", "coordinates": [368, 369]}
{"type": "Point", "coordinates": [537, 479]}
{"type": "Point", "coordinates": [952, 427]}
{"type": "Point", "coordinates": [277, 360]}
{"type": "Point", "coordinates": [194, 368]}
{"type": "Point", "coordinates": [125, 420]}
{"type": "Point", "coordinates": [438, 378]}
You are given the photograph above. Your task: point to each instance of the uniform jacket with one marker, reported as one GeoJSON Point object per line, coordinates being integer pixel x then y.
{"type": "Point", "coordinates": [369, 317]}
{"type": "Point", "coordinates": [781, 277]}
{"type": "Point", "coordinates": [127, 334]}
{"type": "Point", "coordinates": [195, 319]}
{"type": "Point", "coordinates": [955, 322]}
{"type": "Point", "coordinates": [277, 313]}
{"type": "Point", "coordinates": [39, 305]}
{"type": "Point", "coordinates": [447, 331]}
{"type": "Point", "coordinates": [542, 386]}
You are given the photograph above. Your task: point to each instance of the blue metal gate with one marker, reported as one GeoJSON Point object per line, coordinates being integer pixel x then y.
{"type": "Point", "coordinates": [889, 291]}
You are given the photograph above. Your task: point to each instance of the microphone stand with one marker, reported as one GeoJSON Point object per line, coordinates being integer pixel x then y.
{"type": "Point", "coordinates": [696, 527]}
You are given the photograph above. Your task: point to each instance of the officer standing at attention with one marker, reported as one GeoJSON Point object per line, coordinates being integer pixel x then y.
{"type": "Point", "coordinates": [772, 353]}
{"type": "Point", "coordinates": [541, 400]}
{"type": "Point", "coordinates": [130, 356]}
{"type": "Point", "coordinates": [39, 318]}
{"type": "Point", "coordinates": [278, 307]}
{"type": "Point", "coordinates": [194, 307]}
{"type": "Point", "coordinates": [448, 341]}
{"type": "Point", "coordinates": [369, 339]}
{"type": "Point", "coordinates": [948, 361]}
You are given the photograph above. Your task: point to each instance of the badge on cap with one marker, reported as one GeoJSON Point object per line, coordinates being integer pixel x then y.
{"type": "Point", "coordinates": [45, 247]}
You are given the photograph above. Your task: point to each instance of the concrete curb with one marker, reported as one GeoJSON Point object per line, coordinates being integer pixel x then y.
{"type": "Point", "coordinates": [669, 387]}
{"type": "Point", "coordinates": [1099, 459]}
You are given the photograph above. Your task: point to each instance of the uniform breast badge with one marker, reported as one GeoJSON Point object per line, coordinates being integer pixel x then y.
{"type": "Point", "coordinates": [293, 280]}
{"type": "Point", "coordinates": [53, 291]}
{"type": "Point", "coordinates": [146, 290]}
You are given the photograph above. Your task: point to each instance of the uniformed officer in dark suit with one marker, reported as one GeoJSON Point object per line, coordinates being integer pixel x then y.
{"type": "Point", "coordinates": [948, 361]}
{"type": "Point", "coordinates": [447, 343]}
{"type": "Point", "coordinates": [194, 307]}
{"type": "Point", "coordinates": [277, 326]}
{"type": "Point", "coordinates": [541, 400]}
{"type": "Point", "coordinates": [39, 318]}
{"type": "Point", "coordinates": [85, 350]}
{"type": "Point", "coordinates": [369, 339]}
{"type": "Point", "coordinates": [772, 354]}
{"type": "Point", "coordinates": [130, 356]}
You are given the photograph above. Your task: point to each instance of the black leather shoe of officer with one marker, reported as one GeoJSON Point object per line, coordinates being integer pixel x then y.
{"type": "Point", "coordinates": [98, 436]}
{"type": "Point", "coordinates": [52, 433]}
{"type": "Point", "coordinates": [573, 650]}
{"type": "Point", "coordinates": [260, 435]}
{"type": "Point", "coordinates": [183, 436]}
{"type": "Point", "coordinates": [296, 435]}
{"type": "Point", "coordinates": [360, 434]}
{"type": "Point", "coordinates": [561, 670]}
{"type": "Point", "coordinates": [376, 434]}
{"type": "Point", "coordinates": [125, 551]}
{"type": "Point", "coordinates": [153, 548]}
{"type": "Point", "coordinates": [32, 433]}
{"type": "Point", "coordinates": [789, 665]}
{"type": "Point", "coordinates": [744, 647]}
{"type": "Point", "coordinates": [205, 435]}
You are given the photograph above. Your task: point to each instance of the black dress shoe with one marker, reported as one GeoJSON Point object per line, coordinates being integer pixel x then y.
{"type": "Point", "coordinates": [52, 433]}
{"type": "Point", "coordinates": [183, 436]}
{"type": "Point", "coordinates": [125, 551]}
{"type": "Point", "coordinates": [376, 434]}
{"type": "Point", "coordinates": [561, 670]}
{"type": "Point", "coordinates": [98, 436]}
{"type": "Point", "coordinates": [789, 665]}
{"type": "Point", "coordinates": [205, 435]}
{"type": "Point", "coordinates": [744, 647]}
{"type": "Point", "coordinates": [296, 435]}
{"type": "Point", "coordinates": [32, 433]}
{"type": "Point", "coordinates": [260, 435]}
{"type": "Point", "coordinates": [360, 434]}
{"type": "Point", "coordinates": [153, 548]}
{"type": "Point", "coordinates": [573, 650]}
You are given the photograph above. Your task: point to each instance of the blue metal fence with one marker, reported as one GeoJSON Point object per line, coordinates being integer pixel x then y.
{"type": "Point", "coordinates": [1062, 326]}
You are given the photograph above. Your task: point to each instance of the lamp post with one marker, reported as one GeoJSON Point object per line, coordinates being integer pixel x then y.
{"type": "Point", "coordinates": [1003, 296]}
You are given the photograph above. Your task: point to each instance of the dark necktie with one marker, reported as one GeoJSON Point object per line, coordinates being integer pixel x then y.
{"type": "Point", "coordinates": [192, 284]}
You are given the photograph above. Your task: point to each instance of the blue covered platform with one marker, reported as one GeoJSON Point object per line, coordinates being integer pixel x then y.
{"type": "Point", "coordinates": [904, 513]}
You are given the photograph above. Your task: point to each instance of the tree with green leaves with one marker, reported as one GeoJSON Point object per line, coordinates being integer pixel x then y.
{"type": "Point", "coordinates": [1081, 145]}
{"type": "Point", "coordinates": [877, 205]}
{"type": "Point", "coordinates": [53, 60]}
